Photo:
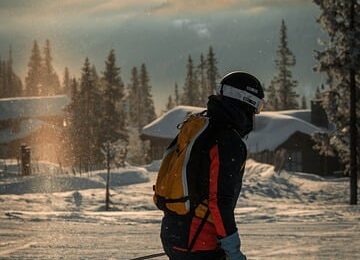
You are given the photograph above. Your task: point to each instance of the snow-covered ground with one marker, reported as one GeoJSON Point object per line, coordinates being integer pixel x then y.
{"type": "Point", "coordinates": [56, 216]}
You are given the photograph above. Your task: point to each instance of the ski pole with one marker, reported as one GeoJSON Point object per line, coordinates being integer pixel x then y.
{"type": "Point", "coordinates": [148, 256]}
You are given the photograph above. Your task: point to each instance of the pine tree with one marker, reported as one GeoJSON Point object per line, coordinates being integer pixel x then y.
{"type": "Point", "coordinates": [5, 83]}
{"type": "Point", "coordinates": [134, 98]}
{"type": "Point", "coordinates": [317, 93]}
{"type": "Point", "coordinates": [50, 80]}
{"type": "Point", "coordinates": [170, 104]}
{"type": "Point", "coordinates": [73, 119]}
{"type": "Point", "coordinates": [66, 89]}
{"type": "Point", "coordinates": [13, 81]}
{"type": "Point", "coordinates": [212, 71]}
{"type": "Point", "coordinates": [176, 93]}
{"type": "Point", "coordinates": [202, 80]}
{"type": "Point", "coordinates": [113, 119]}
{"type": "Point", "coordinates": [191, 93]}
{"type": "Point", "coordinates": [340, 60]}
{"type": "Point", "coordinates": [1, 80]}
{"type": "Point", "coordinates": [90, 150]}
{"type": "Point", "coordinates": [148, 107]}
{"type": "Point", "coordinates": [303, 102]}
{"type": "Point", "coordinates": [272, 103]}
{"type": "Point", "coordinates": [282, 82]}
{"type": "Point", "coordinates": [33, 78]}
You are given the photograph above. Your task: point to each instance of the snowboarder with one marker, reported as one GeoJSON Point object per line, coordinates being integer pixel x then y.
{"type": "Point", "coordinates": [218, 156]}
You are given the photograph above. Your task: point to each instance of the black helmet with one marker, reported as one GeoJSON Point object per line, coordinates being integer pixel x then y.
{"type": "Point", "coordinates": [244, 87]}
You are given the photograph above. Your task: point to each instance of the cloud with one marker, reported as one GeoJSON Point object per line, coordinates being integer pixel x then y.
{"type": "Point", "coordinates": [102, 7]}
{"type": "Point", "coordinates": [170, 7]}
{"type": "Point", "coordinates": [201, 29]}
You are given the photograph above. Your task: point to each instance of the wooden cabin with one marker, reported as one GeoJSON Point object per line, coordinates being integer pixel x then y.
{"type": "Point", "coordinates": [38, 122]}
{"type": "Point", "coordinates": [281, 138]}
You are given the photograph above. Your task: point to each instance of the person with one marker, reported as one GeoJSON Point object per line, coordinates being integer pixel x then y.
{"type": "Point", "coordinates": [218, 156]}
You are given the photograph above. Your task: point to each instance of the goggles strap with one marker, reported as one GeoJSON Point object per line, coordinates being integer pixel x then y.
{"type": "Point", "coordinates": [252, 100]}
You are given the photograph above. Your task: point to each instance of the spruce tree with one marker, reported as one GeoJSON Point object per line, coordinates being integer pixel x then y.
{"type": "Point", "coordinates": [2, 95]}
{"type": "Point", "coordinates": [303, 102]}
{"type": "Point", "coordinates": [33, 78]}
{"type": "Point", "coordinates": [282, 82]}
{"type": "Point", "coordinates": [113, 119]}
{"type": "Point", "coordinates": [134, 98]}
{"type": "Point", "coordinates": [212, 71]}
{"type": "Point", "coordinates": [202, 80]}
{"type": "Point", "coordinates": [340, 60]}
{"type": "Point", "coordinates": [13, 81]}
{"type": "Point", "coordinates": [50, 80]}
{"type": "Point", "coordinates": [177, 95]}
{"type": "Point", "coordinates": [170, 104]}
{"type": "Point", "coordinates": [73, 118]}
{"type": "Point", "coordinates": [66, 88]}
{"type": "Point", "coordinates": [317, 93]}
{"type": "Point", "coordinates": [89, 107]}
{"type": "Point", "coordinates": [148, 107]}
{"type": "Point", "coordinates": [272, 103]}
{"type": "Point", "coordinates": [191, 93]}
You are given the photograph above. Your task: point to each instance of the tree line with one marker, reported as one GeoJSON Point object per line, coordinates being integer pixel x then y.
{"type": "Point", "coordinates": [102, 112]}
{"type": "Point", "coordinates": [200, 82]}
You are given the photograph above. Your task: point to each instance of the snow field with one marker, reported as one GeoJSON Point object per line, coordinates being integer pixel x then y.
{"type": "Point", "coordinates": [280, 216]}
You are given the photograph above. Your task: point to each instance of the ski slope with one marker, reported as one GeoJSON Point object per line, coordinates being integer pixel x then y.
{"type": "Point", "coordinates": [55, 216]}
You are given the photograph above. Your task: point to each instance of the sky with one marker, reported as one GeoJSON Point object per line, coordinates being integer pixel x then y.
{"type": "Point", "coordinates": [162, 34]}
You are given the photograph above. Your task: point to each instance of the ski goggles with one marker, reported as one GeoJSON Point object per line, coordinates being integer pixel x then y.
{"type": "Point", "coordinates": [244, 96]}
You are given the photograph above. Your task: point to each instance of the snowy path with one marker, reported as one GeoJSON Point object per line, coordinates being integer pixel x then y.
{"type": "Point", "coordinates": [287, 216]}
{"type": "Point", "coordinates": [131, 234]}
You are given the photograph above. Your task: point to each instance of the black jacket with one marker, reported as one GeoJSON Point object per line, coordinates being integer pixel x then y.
{"type": "Point", "coordinates": [215, 170]}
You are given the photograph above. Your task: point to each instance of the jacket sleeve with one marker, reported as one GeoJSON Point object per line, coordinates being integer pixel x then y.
{"type": "Point", "coordinates": [227, 158]}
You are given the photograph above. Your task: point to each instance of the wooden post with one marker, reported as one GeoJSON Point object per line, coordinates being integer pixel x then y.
{"type": "Point", "coordinates": [107, 198]}
{"type": "Point", "coordinates": [25, 160]}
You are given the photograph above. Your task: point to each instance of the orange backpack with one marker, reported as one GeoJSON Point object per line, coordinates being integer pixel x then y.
{"type": "Point", "coordinates": [171, 188]}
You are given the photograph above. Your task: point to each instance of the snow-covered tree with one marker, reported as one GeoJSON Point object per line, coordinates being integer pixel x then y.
{"type": "Point", "coordinates": [283, 83]}
{"type": "Point", "coordinates": [340, 60]}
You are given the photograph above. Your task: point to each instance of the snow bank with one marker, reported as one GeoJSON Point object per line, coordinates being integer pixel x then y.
{"type": "Point", "coordinates": [262, 183]}
{"type": "Point", "coordinates": [126, 176]}
{"type": "Point", "coordinates": [154, 166]}
{"type": "Point", "coordinates": [48, 180]}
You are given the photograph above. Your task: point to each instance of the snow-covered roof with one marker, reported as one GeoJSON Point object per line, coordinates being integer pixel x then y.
{"type": "Point", "coordinates": [303, 114]}
{"type": "Point", "coordinates": [271, 128]}
{"type": "Point", "coordinates": [165, 125]}
{"type": "Point", "coordinates": [32, 107]}
{"type": "Point", "coordinates": [274, 128]}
